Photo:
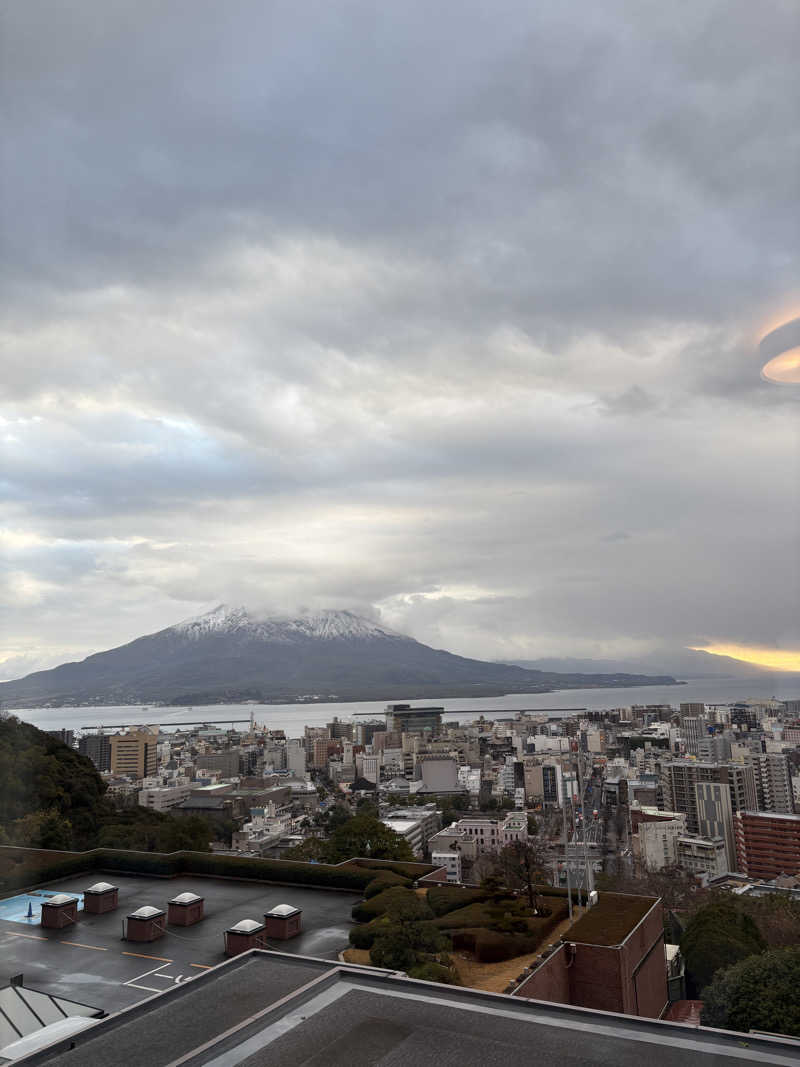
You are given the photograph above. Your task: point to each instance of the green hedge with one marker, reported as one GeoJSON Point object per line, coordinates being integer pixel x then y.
{"type": "Point", "coordinates": [23, 867]}
{"type": "Point", "coordinates": [384, 880]}
{"type": "Point", "coordinates": [364, 936]}
{"type": "Point", "coordinates": [287, 871]}
{"type": "Point", "coordinates": [383, 902]}
{"type": "Point", "coordinates": [489, 946]}
{"type": "Point", "coordinates": [404, 868]}
{"type": "Point", "coordinates": [509, 921]}
{"type": "Point", "coordinates": [429, 971]}
{"type": "Point", "coordinates": [445, 898]}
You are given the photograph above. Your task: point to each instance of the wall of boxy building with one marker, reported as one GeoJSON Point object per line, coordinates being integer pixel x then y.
{"type": "Point", "coordinates": [550, 981]}
{"type": "Point", "coordinates": [630, 978]}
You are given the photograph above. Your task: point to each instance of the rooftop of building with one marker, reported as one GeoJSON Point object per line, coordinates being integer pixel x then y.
{"type": "Point", "coordinates": [769, 815]}
{"type": "Point", "coordinates": [612, 919]}
{"type": "Point", "coordinates": [89, 962]}
{"type": "Point", "coordinates": [268, 1008]}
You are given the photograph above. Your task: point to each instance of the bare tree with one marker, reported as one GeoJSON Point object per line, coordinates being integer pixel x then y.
{"type": "Point", "coordinates": [522, 866]}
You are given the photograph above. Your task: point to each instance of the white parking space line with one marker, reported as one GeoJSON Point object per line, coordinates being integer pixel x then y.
{"type": "Point", "coordinates": [155, 972]}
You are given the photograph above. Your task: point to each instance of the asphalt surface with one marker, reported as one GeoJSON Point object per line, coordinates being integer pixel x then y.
{"type": "Point", "coordinates": [89, 962]}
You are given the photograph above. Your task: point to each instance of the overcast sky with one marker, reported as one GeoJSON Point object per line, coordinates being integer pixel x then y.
{"type": "Point", "coordinates": [445, 312]}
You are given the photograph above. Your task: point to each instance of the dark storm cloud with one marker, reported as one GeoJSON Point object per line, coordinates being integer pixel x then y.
{"type": "Point", "coordinates": [448, 313]}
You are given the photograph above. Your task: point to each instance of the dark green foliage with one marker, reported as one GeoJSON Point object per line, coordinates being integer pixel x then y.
{"type": "Point", "coordinates": [149, 831]}
{"type": "Point", "coordinates": [718, 935]}
{"type": "Point", "coordinates": [364, 936]}
{"type": "Point", "coordinates": [397, 902]}
{"type": "Point", "coordinates": [42, 776]}
{"type": "Point", "coordinates": [434, 972]}
{"type": "Point", "coordinates": [53, 798]}
{"type": "Point", "coordinates": [384, 880]}
{"type": "Point", "coordinates": [401, 945]}
{"type": "Point", "coordinates": [21, 867]}
{"type": "Point", "coordinates": [480, 913]}
{"type": "Point", "coordinates": [491, 946]}
{"type": "Point", "coordinates": [364, 835]}
{"type": "Point", "coordinates": [393, 950]}
{"type": "Point", "coordinates": [408, 870]}
{"type": "Point", "coordinates": [361, 835]}
{"type": "Point", "coordinates": [43, 829]}
{"type": "Point", "coordinates": [445, 898]}
{"type": "Point", "coordinates": [510, 915]}
{"type": "Point", "coordinates": [758, 993]}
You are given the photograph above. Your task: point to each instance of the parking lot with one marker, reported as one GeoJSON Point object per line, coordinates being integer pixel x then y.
{"type": "Point", "coordinates": [91, 963]}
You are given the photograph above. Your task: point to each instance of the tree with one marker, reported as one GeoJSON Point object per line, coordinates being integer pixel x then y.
{"type": "Point", "coordinates": [364, 835]}
{"type": "Point", "coordinates": [43, 829]}
{"type": "Point", "coordinates": [521, 865]}
{"type": "Point", "coordinates": [777, 918]}
{"type": "Point", "coordinates": [677, 888]}
{"type": "Point", "coordinates": [407, 938]}
{"type": "Point", "coordinates": [758, 993]}
{"type": "Point", "coordinates": [312, 849]}
{"type": "Point", "coordinates": [365, 806]}
{"type": "Point", "coordinates": [718, 936]}
{"type": "Point", "coordinates": [393, 949]}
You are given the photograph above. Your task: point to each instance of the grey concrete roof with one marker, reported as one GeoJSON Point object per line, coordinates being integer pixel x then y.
{"type": "Point", "coordinates": [23, 1011]}
{"type": "Point", "coordinates": [162, 1028]}
{"type": "Point", "coordinates": [309, 1013]}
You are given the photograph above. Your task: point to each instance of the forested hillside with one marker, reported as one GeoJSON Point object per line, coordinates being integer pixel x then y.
{"type": "Point", "coordinates": [51, 797]}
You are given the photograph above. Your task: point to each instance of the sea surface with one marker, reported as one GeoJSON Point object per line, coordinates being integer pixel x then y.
{"type": "Point", "coordinates": [293, 717]}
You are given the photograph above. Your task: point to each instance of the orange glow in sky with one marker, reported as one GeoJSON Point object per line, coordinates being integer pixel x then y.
{"type": "Point", "coordinates": [780, 351]}
{"type": "Point", "coordinates": [776, 659]}
{"type": "Point", "coordinates": [783, 368]}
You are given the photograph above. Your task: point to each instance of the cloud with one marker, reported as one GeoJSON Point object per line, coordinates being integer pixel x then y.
{"type": "Point", "coordinates": [435, 314]}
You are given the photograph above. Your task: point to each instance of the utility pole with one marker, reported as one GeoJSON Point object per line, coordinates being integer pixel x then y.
{"type": "Point", "coordinates": [589, 869]}
{"type": "Point", "coordinates": [566, 851]}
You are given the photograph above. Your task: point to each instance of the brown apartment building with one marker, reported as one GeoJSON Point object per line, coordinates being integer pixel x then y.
{"type": "Point", "coordinates": [767, 844]}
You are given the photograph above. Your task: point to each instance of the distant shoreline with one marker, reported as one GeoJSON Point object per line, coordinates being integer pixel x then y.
{"type": "Point", "coordinates": [201, 700]}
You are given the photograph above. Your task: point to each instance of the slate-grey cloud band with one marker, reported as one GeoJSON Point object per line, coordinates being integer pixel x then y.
{"type": "Point", "coordinates": [778, 342]}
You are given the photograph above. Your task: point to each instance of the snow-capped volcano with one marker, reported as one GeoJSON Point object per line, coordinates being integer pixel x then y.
{"type": "Point", "coordinates": [323, 625]}
{"type": "Point", "coordinates": [231, 654]}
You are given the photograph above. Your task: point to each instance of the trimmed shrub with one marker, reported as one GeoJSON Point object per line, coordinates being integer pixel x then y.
{"type": "Point", "coordinates": [428, 971]}
{"type": "Point", "coordinates": [398, 901]}
{"type": "Point", "coordinates": [393, 950]}
{"type": "Point", "coordinates": [492, 947]}
{"type": "Point", "coordinates": [384, 880]}
{"type": "Point", "coordinates": [364, 936]}
{"type": "Point", "coordinates": [403, 867]}
{"type": "Point", "coordinates": [445, 898]}
{"type": "Point", "coordinates": [483, 913]}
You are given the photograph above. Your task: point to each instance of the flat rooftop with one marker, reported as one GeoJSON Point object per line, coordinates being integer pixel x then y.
{"type": "Point", "coordinates": [89, 961]}
{"type": "Point", "coordinates": [611, 920]}
{"type": "Point", "coordinates": [266, 1009]}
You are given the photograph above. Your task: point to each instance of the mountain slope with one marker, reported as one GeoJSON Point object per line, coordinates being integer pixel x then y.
{"type": "Point", "coordinates": [230, 654]}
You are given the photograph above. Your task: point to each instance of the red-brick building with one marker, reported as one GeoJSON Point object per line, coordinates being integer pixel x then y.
{"type": "Point", "coordinates": [612, 959]}
{"type": "Point", "coordinates": [767, 844]}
